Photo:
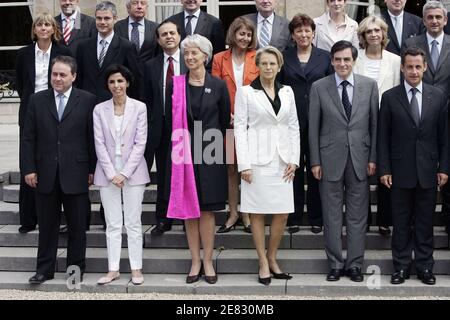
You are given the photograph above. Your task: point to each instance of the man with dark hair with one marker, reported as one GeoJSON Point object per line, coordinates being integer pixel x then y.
{"type": "Point", "coordinates": [59, 161]}
{"type": "Point", "coordinates": [412, 161]}
{"type": "Point", "coordinates": [343, 111]}
{"type": "Point", "coordinates": [158, 74]}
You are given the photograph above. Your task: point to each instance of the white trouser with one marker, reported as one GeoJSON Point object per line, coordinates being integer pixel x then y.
{"type": "Point", "coordinates": [132, 207]}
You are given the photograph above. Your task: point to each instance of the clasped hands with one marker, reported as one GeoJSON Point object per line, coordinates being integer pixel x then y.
{"type": "Point", "coordinates": [288, 174]}
{"type": "Point", "coordinates": [118, 180]}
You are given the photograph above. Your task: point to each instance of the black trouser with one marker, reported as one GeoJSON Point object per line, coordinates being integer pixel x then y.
{"type": "Point", "coordinates": [27, 199]}
{"type": "Point", "coordinates": [412, 217]}
{"type": "Point", "coordinates": [49, 215]}
{"type": "Point", "coordinates": [384, 212]}
{"type": "Point", "coordinates": [313, 204]}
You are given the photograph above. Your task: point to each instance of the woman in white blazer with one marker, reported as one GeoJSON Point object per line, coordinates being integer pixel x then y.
{"type": "Point", "coordinates": [120, 133]}
{"type": "Point", "coordinates": [267, 138]}
{"type": "Point", "coordinates": [384, 67]}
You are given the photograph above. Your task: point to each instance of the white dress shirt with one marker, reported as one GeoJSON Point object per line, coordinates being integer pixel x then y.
{"type": "Point", "coordinates": [66, 97]}
{"type": "Point", "coordinates": [108, 42]}
{"type": "Point", "coordinates": [351, 80]}
{"type": "Point", "coordinates": [269, 24]}
{"type": "Point", "coordinates": [398, 26]}
{"type": "Point", "coordinates": [42, 61]}
{"type": "Point", "coordinates": [419, 88]}
{"type": "Point", "coordinates": [176, 69]}
{"type": "Point", "coordinates": [439, 40]}
{"type": "Point", "coordinates": [141, 29]}
{"type": "Point", "coordinates": [194, 20]}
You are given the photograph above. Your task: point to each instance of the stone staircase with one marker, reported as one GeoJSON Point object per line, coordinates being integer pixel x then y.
{"type": "Point", "coordinates": [166, 259]}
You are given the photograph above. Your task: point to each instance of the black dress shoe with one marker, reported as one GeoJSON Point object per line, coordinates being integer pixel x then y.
{"type": "Point", "coordinates": [316, 229]}
{"type": "Point", "coordinates": [224, 229]}
{"type": "Point", "coordinates": [293, 229]}
{"type": "Point", "coordinates": [26, 229]}
{"type": "Point", "coordinates": [398, 277]}
{"type": "Point", "coordinates": [335, 274]}
{"type": "Point", "coordinates": [355, 274]}
{"type": "Point", "coordinates": [248, 229]}
{"type": "Point", "coordinates": [195, 277]}
{"type": "Point", "coordinates": [38, 279]}
{"type": "Point", "coordinates": [426, 276]}
{"type": "Point", "coordinates": [63, 229]}
{"type": "Point", "coordinates": [211, 279]}
{"type": "Point", "coordinates": [384, 231]}
{"type": "Point", "coordinates": [264, 281]}
{"type": "Point", "coordinates": [161, 228]}
{"type": "Point", "coordinates": [281, 275]}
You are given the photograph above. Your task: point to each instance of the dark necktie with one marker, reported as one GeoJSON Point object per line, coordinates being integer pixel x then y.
{"type": "Point", "coordinates": [414, 105]}
{"type": "Point", "coordinates": [189, 25]}
{"type": "Point", "coordinates": [169, 76]}
{"type": "Point", "coordinates": [434, 53]}
{"type": "Point", "coordinates": [135, 34]}
{"type": "Point", "coordinates": [346, 100]}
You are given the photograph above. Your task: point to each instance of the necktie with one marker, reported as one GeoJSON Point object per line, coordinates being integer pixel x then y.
{"type": "Point", "coordinates": [264, 37]}
{"type": "Point", "coordinates": [434, 53]}
{"type": "Point", "coordinates": [135, 35]}
{"type": "Point", "coordinates": [169, 76]}
{"type": "Point", "coordinates": [101, 57]}
{"type": "Point", "coordinates": [189, 25]}
{"type": "Point", "coordinates": [67, 30]}
{"type": "Point", "coordinates": [346, 100]}
{"type": "Point", "coordinates": [398, 32]}
{"type": "Point", "coordinates": [414, 105]}
{"type": "Point", "coordinates": [61, 106]}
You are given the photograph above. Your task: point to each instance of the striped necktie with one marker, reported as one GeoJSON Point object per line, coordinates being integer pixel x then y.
{"type": "Point", "coordinates": [264, 37]}
{"type": "Point", "coordinates": [67, 30]}
{"type": "Point", "coordinates": [101, 57]}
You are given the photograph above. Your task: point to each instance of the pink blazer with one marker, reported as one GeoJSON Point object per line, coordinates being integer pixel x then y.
{"type": "Point", "coordinates": [134, 138]}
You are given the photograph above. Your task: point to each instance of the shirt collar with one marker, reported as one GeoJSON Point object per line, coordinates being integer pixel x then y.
{"type": "Point", "coordinates": [269, 18]}
{"type": "Point", "coordinates": [39, 51]}
{"type": "Point", "coordinates": [66, 94]}
{"type": "Point", "coordinates": [196, 14]}
{"type": "Point", "coordinates": [394, 16]}
{"type": "Point", "coordinates": [71, 17]}
{"type": "Point", "coordinates": [175, 56]}
{"type": "Point", "coordinates": [408, 87]}
{"type": "Point", "coordinates": [439, 39]}
{"type": "Point", "coordinates": [108, 38]}
{"type": "Point", "coordinates": [131, 20]}
{"type": "Point", "coordinates": [256, 84]}
{"type": "Point", "coordinates": [350, 80]}
{"type": "Point", "coordinates": [346, 17]}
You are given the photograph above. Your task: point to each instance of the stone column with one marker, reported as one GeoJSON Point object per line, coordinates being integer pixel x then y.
{"type": "Point", "coordinates": [313, 8]}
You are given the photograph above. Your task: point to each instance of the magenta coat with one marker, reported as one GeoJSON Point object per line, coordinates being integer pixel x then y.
{"type": "Point", "coordinates": [134, 138]}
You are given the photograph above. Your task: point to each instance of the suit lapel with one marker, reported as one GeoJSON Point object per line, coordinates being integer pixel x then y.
{"type": "Point", "coordinates": [108, 113]}
{"type": "Point", "coordinates": [147, 35]}
{"type": "Point", "coordinates": [293, 63]}
{"type": "Point", "coordinates": [71, 104]}
{"type": "Point", "coordinates": [357, 94]}
{"type": "Point", "coordinates": [127, 115]}
{"type": "Point", "coordinates": [445, 50]}
{"type": "Point", "coordinates": [313, 62]}
{"type": "Point", "coordinates": [426, 104]}
{"type": "Point", "coordinates": [334, 94]}
{"type": "Point", "coordinates": [403, 99]}
{"type": "Point", "coordinates": [227, 66]}
{"type": "Point", "coordinates": [275, 30]}
{"type": "Point", "coordinates": [249, 74]}
{"type": "Point", "coordinates": [391, 31]}
{"type": "Point", "coordinates": [423, 43]}
{"type": "Point", "coordinates": [52, 104]}
{"type": "Point", "coordinates": [201, 23]}
{"type": "Point", "coordinates": [112, 51]}
{"type": "Point", "coordinates": [31, 65]}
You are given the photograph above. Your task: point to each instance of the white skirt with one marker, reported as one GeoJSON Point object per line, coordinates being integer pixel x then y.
{"type": "Point", "coordinates": [268, 193]}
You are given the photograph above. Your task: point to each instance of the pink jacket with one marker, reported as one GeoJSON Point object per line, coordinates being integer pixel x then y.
{"type": "Point", "coordinates": [134, 138]}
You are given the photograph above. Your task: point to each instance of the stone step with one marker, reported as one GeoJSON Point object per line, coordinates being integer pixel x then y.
{"type": "Point", "coordinates": [236, 239]}
{"type": "Point", "coordinates": [226, 261]}
{"type": "Point", "coordinates": [235, 285]}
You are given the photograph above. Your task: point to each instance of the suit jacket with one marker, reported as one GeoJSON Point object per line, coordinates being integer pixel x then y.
{"type": "Point", "coordinates": [223, 69]}
{"type": "Point", "coordinates": [91, 77]}
{"type": "Point", "coordinates": [332, 138]}
{"type": "Point", "coordinates": [300, 80]}
{"type": "Point", "coordinates": [84, 28]}
{"type": "Point", "coordinates": [412, 26]}
{"type": "Point", "coordinates": [324, 40]}
{"type": "Point", "coordinates": [149, 46]}
{"type": "Point", "coordinates": [281, 37]}
{"type": "Point", "coordinates": [260, 133]}
{"type": "Point", "coordinates": [413, 155]}
{"type": "Point", "coordinates": [439, 77]}
{"type": "Point", "coordinates": [65, 147]}
{"type": "Point", "coordinates": [133, 140]}
{"type": "Point", "coordinates": [26, 73]}
{"type": "Point", "coordinates": [389, 75]}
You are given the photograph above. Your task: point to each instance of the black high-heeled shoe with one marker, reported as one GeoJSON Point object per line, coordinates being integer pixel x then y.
{"type": "Point", "coordinates": [248, 229]}
{"type": "Point", "coordinates": [281, 275]}
{"type": "Point", "coordinates": [265, 281]}
{"type": "Point", "coordinates": [224, 229]}
{"type": "Point", "coordinates": [196, 277]}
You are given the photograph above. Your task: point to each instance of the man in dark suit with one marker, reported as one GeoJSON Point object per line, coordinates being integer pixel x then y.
{"type": "Point", "coordinates": [436, 45]}
{"type": "Point", "coordinates": [192, 20]}
{"type": "Point", "coordinates": [74, 25]}
{"type": "Point", "coordinates": [94, 55]}
{"type": "Point", "coordinates": [59, 161]}
{"type": "Point", "coordinates": [137, 29]}
{"type": "Point", "coordinates": [272, 29]}
{"type": "Point", "coordinates": [157, 76]}
{"type": "Point", "coordinates": [412, 161]}
{"type": "Point", "coordinates": [402, 25]}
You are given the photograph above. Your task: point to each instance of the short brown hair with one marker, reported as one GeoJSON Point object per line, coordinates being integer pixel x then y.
{"type": "Point", "coordinates": [46, 18]}
{"type": "Point", "coordinates": [364, 26]}
{"type": "Point", "coordinates": [238, 23]}
{"type": "Point", "coordinates": [269, 50]}
{"type": "Point", "coordinates": [301, 20]}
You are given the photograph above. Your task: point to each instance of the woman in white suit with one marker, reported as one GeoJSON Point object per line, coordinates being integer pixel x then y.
{"type": "Point", "coordinates": [384, 67]}
{"type": "Point", "coordinates": [267, 137]}
{"type": "Point", "coordinates": [120, 132]}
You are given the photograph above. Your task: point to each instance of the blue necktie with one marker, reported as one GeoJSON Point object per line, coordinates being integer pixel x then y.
{"type": "Point", "coordinates": [264, 37]}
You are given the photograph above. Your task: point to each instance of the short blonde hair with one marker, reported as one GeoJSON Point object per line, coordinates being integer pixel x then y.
{"type": "Point", "coordinates": [237, 24]}
{"type": "Point", "coordinates": [46, 18]}
{"type": "Point", "coordinates": [364, 26]}
{"type": "Point", "coordinates": [269, 50]}
{"type": "Point", "coordinates": [200, 42]}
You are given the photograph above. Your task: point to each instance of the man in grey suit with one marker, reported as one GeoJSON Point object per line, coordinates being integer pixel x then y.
{"type": "Point", "coordinates": [137, 29]}
{"type": "Point", "coordinates": [342, 139]}
{"type": "Point", "coordinates": [272, 29]}
{"type": "Point", "coordinates": [436, 45]}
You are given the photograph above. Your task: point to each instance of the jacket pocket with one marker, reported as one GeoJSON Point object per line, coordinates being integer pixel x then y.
{"type": "Point", "coordinates": [367, 140]}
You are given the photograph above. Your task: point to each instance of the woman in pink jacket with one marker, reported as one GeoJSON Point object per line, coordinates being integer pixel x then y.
{"type": "Point", "coordinates": [120, 131]}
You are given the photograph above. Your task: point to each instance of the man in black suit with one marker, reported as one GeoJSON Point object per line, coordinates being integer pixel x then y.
{"type": "Point", "coordinates": [157, 76]}
{"type": "Point", "coordinates": [402, 25]}
{"type": "Point", "coordinates": [412, 161]}
{"type": "Point", "coordinates": [137, 29]}
{"type": "Point", "coordinates": [192, 20]}
{"type": "Point", "coordinates": [74, 25]}
{"type": "Point", "coordinates": [94, 55]}
{"type": "Point", "coordinates": [59, 161]}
